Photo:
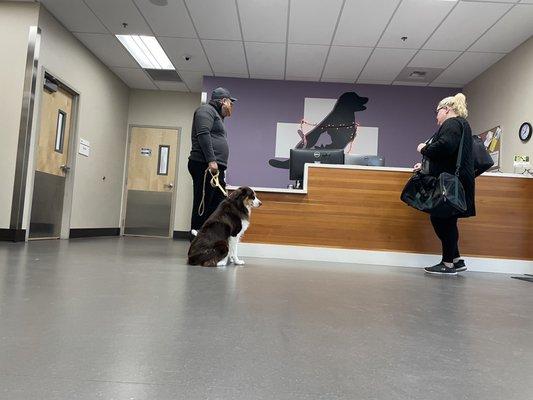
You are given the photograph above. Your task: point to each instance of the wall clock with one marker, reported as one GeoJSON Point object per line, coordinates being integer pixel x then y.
{"type": "Point", "coordinates": [524, 133]}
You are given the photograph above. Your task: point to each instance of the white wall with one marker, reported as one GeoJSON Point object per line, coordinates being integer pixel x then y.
{"type": "Point", "coordinates": [15, 22]}
{"type": "Point", "coordinates": [503, 95]}
{"type": "Point", "coordinates": [102, 120]}
{"type": "Point", "coordinates": [171, 109]}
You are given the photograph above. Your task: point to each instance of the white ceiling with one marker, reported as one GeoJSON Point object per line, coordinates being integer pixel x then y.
{"type": "Point", "coordinates": [329, 41]}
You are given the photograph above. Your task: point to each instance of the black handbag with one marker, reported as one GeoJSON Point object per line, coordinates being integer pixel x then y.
{"type": "Point", "coordinates": [441, 196]}
{"type": "Point", "coordinates": [482, 159]}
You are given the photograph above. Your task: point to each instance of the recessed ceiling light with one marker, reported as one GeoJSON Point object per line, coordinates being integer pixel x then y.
{"type": "Point", "coordinates": [146, 50]}
{"type": "Point", "coordinates": [159, 2]}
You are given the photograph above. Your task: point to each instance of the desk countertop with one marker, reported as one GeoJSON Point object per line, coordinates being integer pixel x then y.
{"type": "Point", "coordinates": [361, 167]}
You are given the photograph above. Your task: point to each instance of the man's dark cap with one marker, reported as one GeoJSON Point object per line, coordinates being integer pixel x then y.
{"type": "Point", "coordinates": [221, 93]}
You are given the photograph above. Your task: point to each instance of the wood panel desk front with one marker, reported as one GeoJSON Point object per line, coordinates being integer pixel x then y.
{"type": "Point", "coordinates": [354, 207]}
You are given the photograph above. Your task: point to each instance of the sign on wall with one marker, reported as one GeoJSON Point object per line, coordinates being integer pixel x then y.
{"type": "Point", "coordinates": [84, 148]}
{"type": "Point", "coordinates": [326, 124]}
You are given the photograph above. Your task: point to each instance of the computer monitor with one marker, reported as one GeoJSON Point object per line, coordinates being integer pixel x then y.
{"type": "Point", "coordinates": [362, 159]}
{"type": "Point", "coordinates": [299, 157]}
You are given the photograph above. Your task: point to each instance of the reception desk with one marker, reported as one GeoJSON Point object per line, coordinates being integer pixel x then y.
{"type": "Point", "coordinates": [355, 207]}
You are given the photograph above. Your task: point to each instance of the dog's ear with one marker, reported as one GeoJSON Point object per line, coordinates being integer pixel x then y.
{"type": "Point", "coordinates": [237, 194]}
{"type": "Point", "coordinates": [247, 193]}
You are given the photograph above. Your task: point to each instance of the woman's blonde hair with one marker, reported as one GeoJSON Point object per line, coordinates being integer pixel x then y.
{"type": "Point", "coordinates": [457, 103]}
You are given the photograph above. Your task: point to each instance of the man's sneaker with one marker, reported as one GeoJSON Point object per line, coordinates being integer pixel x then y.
{"type": "Point", "coordinates": [440, 269]}
{"type": "Point", "coordinates": [459, 266]}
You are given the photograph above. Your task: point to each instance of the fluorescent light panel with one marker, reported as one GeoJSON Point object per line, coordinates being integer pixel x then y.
{"type": "Point", "coordinates": [146, 50]}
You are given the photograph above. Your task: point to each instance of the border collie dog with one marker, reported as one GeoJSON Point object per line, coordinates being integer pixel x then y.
{"type": "Point", "coordinates": [216, 242]}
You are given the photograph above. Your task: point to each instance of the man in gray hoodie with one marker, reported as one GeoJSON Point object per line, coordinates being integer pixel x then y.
{"type": "Point", "coordinates": [209, 150]}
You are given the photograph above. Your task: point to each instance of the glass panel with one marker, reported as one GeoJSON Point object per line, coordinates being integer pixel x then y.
{"type": "Point", "coordinates": [148, 213]}
{"type": "Point", "coordinates": [162, 163]}
{"type": "Point", "coordinates": [60, 131]}
{"type": "Point", "coordinates": [47, 205]}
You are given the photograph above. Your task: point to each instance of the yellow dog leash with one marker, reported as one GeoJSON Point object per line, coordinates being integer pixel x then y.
{"type": "Point", "coordinates": [214, 182]}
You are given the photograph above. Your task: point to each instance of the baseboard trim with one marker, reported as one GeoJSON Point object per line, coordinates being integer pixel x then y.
{"type": "Point", "coordinates": [93, 232]}
{"type": "Point", "coordinates": [384, 258]}
{"type": "Point", "coordinates": [180, 235]}
{"type": "Point", "coordinates": [12, 235]}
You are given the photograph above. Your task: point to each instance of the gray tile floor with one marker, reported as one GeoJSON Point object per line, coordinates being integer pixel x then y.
{"type": "Point", "coordinates": [127, 319]}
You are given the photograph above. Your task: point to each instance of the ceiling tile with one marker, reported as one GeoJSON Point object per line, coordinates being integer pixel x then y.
{"type": "Point", "coordinates": [114, 13]}
{"type": "Point", "coordinates": [386, 64]}
{"type": "Point", "coordinates": [305, 61]}
{"type": "Point", "coordinates": [465, 24]}
{"type": "Point", "coordinates": [300, 78]}
{"type": "Point", "coordinates": [264, 20]}
{"type": "Point", "coordinates": [416, 19]}
{"type": "Point", "coordinates": [501, 37]}
{"type": "Point", "coordinates": [434, 58]}
{"type": "Point", "coordinates": [233, 75]}
{"type": "Point", "coordinates": [193, 79]}
{"type": "Point", "coordinates": [450, 85]}
{"type": "Point", "coordinates": [178, 48]}
{"type": "Point", "coordinates": [363, 21]}
{"type": "Point", "coordinates": [467, 67]}
{"type": "Point", "coordinates": [226, 57]}
{"type": "Point", "coordinates": [108, 49]}
{"type": "Point", "coordinates": [266, 59]}
{"type": "Point", "coordinates": [215, 19]}
{"type": "Point", "coordinates": [400, 83]}
{"type": "Point", "coordinates": [345, 62]}
{"type": "Point", "coordinates": [269, 77]}
{"type": "Point", "coordinates": [173, 86]}
{"type": "Point", "coordinates": [75, 15]}
{"type": "Point", "coordinates": [313, 21]}
{"type": "Point", "coordinates": [374, 81]}
{"type": "Point", "coordinates": [337, 80]}
{"type": "Point", "coordinates": [135, 78]}
{"type": "Point", "coordinates": [170, 20]}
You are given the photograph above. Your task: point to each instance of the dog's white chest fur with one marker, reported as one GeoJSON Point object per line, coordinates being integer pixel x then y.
{"type": "Point", "coordinates": [245, 224]}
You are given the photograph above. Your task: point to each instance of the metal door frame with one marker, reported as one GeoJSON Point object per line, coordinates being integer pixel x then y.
{"type": "Point", "coordinates": [71, 160]}
{"type": "Point", "coordinates": [125, 180]}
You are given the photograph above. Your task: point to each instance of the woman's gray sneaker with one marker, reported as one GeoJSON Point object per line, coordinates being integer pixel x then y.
{"type": "Point", "coordinates": [459, 266]}
{"type": "Point", "coordinates": [440, 269]}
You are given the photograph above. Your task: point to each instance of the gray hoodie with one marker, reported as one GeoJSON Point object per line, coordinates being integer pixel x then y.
{"type": "Point", "coordinates": [208, 136]}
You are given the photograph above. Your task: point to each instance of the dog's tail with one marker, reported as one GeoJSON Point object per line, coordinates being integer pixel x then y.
{"type": "Point", "coordinates": [208, 257]}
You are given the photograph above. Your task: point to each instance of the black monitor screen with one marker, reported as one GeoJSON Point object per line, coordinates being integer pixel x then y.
{"type": "Point", "coordinates": [299, 157]}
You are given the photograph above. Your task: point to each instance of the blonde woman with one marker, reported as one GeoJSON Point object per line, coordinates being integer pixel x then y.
{"type": "Point", "coordinates": [441, 151]}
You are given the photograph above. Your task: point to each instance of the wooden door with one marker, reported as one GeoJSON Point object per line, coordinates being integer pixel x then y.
{"type": "Point", "coordinates": [150, 182]}
{"type": "Point", "coordinates": [54, 133]}
{"type": "Point", "coordinates": [51, 165]}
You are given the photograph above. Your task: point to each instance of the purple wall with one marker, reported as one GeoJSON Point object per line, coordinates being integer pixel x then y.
{"type": "Point", "coordinates": [405, 116]}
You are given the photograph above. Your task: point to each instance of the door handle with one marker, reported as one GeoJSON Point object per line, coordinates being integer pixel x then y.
{"type": "Point", "coordinates": [65, 168]}
{"type": "Point", "coordinates": [170, 185]}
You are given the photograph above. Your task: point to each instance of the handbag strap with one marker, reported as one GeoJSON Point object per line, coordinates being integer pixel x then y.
{"type": "Point", "coordinates": [460, 153]}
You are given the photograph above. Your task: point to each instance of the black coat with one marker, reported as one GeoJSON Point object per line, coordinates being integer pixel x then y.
{"type": "Point", "coordinates": [442, 155]}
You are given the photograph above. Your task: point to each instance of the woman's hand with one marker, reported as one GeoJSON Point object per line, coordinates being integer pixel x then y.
{"type": "Point", "coordinates": [420, 147]}
{"type": "Point", "coordinates": [213, 166]}
{"type": "Point", "coordinates": [417, 167]}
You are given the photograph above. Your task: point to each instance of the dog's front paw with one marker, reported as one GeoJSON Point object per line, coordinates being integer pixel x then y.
{"type": "Point", "coordinates": [222, 263]}
{"type": "Point", "coordinates": [237, 261]}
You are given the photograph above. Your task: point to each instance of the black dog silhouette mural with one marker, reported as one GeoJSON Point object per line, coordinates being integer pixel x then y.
{"type": "Point", "coordinates": [340, 125]}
